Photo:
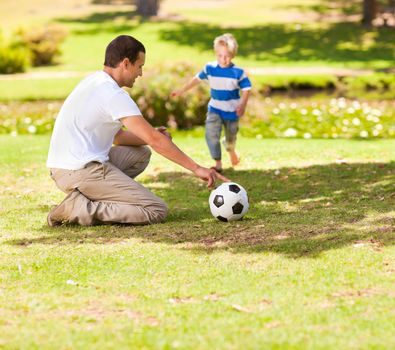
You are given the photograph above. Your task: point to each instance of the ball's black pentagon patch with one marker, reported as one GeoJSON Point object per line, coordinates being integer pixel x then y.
{"type": "Point", "coordinates": [237, 208]}
{"type": "Point", "coordinates": [218, 200]}
{"type": "Point", "coordinates": [221, 218]}
{"type": "Point", "coordinates": [234, 188]}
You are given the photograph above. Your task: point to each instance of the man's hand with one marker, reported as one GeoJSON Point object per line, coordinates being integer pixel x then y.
{"type": "Point", "coordinates": [163, 130]}
{"type": "Point", "coordinates": [209, 175]}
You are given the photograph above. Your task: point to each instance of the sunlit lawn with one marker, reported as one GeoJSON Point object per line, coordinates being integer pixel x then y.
{"type": "Point", "coordinates": [310, 267]}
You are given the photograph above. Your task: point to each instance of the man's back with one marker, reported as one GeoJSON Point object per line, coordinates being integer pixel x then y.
{"type": "Point", "coordinates": [87, 122]}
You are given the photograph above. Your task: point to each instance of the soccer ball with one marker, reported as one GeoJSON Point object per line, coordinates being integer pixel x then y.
{"type": "Point", "coordinates": [228, 202]}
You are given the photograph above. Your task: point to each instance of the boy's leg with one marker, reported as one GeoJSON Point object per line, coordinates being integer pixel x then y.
{"type": "Point", "coordinates": [213, 135]}
{"type": "Point", "coordinates": [102, 193]}
{"type": "Point", "coordinates": [231, 130]}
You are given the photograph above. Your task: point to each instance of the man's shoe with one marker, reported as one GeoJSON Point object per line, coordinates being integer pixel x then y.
{"type": "Point", "coordinates": [60, 214]}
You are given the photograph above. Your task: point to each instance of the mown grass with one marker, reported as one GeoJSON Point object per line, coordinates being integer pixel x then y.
{"type": "Point", "coordinates": [310, 267]}
{"type": "Point", "coordinates": [270, 33]}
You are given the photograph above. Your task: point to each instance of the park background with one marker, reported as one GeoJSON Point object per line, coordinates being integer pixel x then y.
{"type": "Point", "coordinates": [311, 265]}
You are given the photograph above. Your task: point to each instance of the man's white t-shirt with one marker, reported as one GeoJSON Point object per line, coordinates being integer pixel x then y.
{"type": "Point", "coordinates": [88, 121]}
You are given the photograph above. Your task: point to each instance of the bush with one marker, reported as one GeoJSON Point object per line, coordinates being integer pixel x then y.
{"type": "Point", "coordinates": [43, 43]}
{"type": "Point", "coordinates": [12, 60]}
{"type": "Point", "coordinates": [152, 94]}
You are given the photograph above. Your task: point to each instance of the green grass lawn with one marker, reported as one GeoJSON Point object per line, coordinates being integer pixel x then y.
{"type": "Point", "coordinates": [270, 33]}
{"type": "Point", "coordinates": [310, 267]}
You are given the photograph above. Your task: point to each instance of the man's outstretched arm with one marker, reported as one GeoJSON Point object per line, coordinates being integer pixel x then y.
{"type": "Point", "coordinates": [163, 145]}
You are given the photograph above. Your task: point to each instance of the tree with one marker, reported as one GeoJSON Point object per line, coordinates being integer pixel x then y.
{"type": "Point", "coordinates": [369, 11]}
{"type": "Point", "coordinates": [147, 8]}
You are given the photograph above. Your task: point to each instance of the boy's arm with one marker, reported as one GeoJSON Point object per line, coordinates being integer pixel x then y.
{"type": "Point", "coordinates": [192, 83]}
{"type": "Point", "coordinates": [240, 109]}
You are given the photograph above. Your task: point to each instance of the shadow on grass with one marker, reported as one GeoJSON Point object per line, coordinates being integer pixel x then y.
{"type": "Point", "coordinates": [300, 212]}
{"type": "Point", "coordinates": [332, 42]}
{"type": "Point", "coordinates": [335, 42]}
{"type": "Point", "coordinates": [99, 22]}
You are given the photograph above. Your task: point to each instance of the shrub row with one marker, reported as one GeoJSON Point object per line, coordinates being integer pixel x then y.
{"type": "Point", "coordinates": [34, 46]}
{"type": "Point", "coordinates": [265, 117]}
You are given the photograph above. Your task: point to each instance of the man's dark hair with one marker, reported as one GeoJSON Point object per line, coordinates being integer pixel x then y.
{"type": "Point", "coordinates": [123, 46]}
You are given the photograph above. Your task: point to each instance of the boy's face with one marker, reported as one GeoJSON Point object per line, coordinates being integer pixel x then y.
{"type": "Point", "coordinates": [224, 56]}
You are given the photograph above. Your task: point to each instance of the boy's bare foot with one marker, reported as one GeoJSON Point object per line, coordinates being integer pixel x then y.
{"type": "Point", "coordinates": [234, 158]}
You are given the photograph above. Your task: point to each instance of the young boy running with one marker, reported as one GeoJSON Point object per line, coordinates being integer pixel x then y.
{"type": "Point", "coordinates": [225, 106]}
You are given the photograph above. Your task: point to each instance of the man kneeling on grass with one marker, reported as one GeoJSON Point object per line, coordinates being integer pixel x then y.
{"type": "Point", "coordinates": [97, 176]}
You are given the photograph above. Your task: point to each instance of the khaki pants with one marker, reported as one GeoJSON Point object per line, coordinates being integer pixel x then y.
{"type": "Point", "coordinates": [107, 192]}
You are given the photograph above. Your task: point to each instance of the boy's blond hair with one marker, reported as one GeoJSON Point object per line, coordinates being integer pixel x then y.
{"type": "Point", "coordinates": [227, 40]}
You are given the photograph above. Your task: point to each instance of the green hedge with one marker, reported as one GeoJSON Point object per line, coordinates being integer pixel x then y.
{"type": "Point", "coordinates": [313, 117]}
{"type": "Point", "coordinates": [152, 94]}
{"type": "Point", "coordinates": [42, 42]}
{"type": "Point", "coordinates": [12, 59]}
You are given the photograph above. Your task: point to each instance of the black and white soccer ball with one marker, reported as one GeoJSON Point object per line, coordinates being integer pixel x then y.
{"type": "Point", "coordinates": [229, 202]}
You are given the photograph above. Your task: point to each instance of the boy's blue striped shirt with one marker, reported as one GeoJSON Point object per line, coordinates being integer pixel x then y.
{"type": "Point", "coordinates": [225, 84]}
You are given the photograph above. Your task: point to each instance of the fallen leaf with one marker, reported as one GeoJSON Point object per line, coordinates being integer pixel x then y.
{"type": "Point", "coordinates": [240, 308]}
{"type": "Point", "coordinates": [272, 325]}
{"type": "Point", "coordinates": [212, 297]}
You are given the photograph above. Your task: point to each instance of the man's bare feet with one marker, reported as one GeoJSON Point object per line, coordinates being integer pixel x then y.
{"type": "Point", "coordinates": [234, 158]}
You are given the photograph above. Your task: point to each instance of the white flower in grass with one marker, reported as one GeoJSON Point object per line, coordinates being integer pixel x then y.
{"type": "Point", "coordinates": [14, 133]}
{"type": "Point", "coordinates": [293, 105]}
{"type": "Point", "coordinates": [341, 104]}
{"type": "Point", "coordinates": [268, 100]}
{"type": "Point", "coordinates": [275, 111]}
{"type": "Point", "coordinates": [344, 129]}
{"type": "Point", "coordinates": [350, 110]}
{"type": "Point", "coordinates": [282, 105]}
{"type": "Point", "coordinates": [356, 104]}
{"type": "Point", "coordinates": [375, 132]}
{"type": "Point", "coordinates": [364, 134]}
{"type": "Point", "coordinates": [27, 120]}
{"type": "Point", "coordinates": [369, 118]}
{"type": "Point", "coordinates": [366, 110]}
{"type": "Point", "coordinates": [303, 111]}
{"type": "Point", "coordinates": [316, 112]}
{"type": "Point", "coordinates": [346, 122]}
{"type": "Point", "coordinates": [376, 112]}
{"type": "Point", "coordinates": [356, 121]}
{"type": "Point", "coordinates": [307, 135]}
{"type": "Point", "coordinates": [335, 136]}
{"type": "Point", "coordinates": [32, 129]}
{"type": "Point", "coordinates": [290, 132]}
{"type": "Point", "coordinates": [319, 119]}
{"type": "Point", "coordinates": [378, 127]}
{"type": "Point", "coordinates": [376, 119]}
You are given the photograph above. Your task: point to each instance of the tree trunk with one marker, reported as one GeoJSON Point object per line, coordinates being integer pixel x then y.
{"type": "Point", "coordinates": [147, 8]}
{"type": "Point", "coordinates": [369, 11]}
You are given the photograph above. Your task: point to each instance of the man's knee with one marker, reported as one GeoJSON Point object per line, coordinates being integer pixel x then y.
{"type": "Point", "coordinates": [158, 213]}
{"type": "Point", "coordinates": [145, 153]}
